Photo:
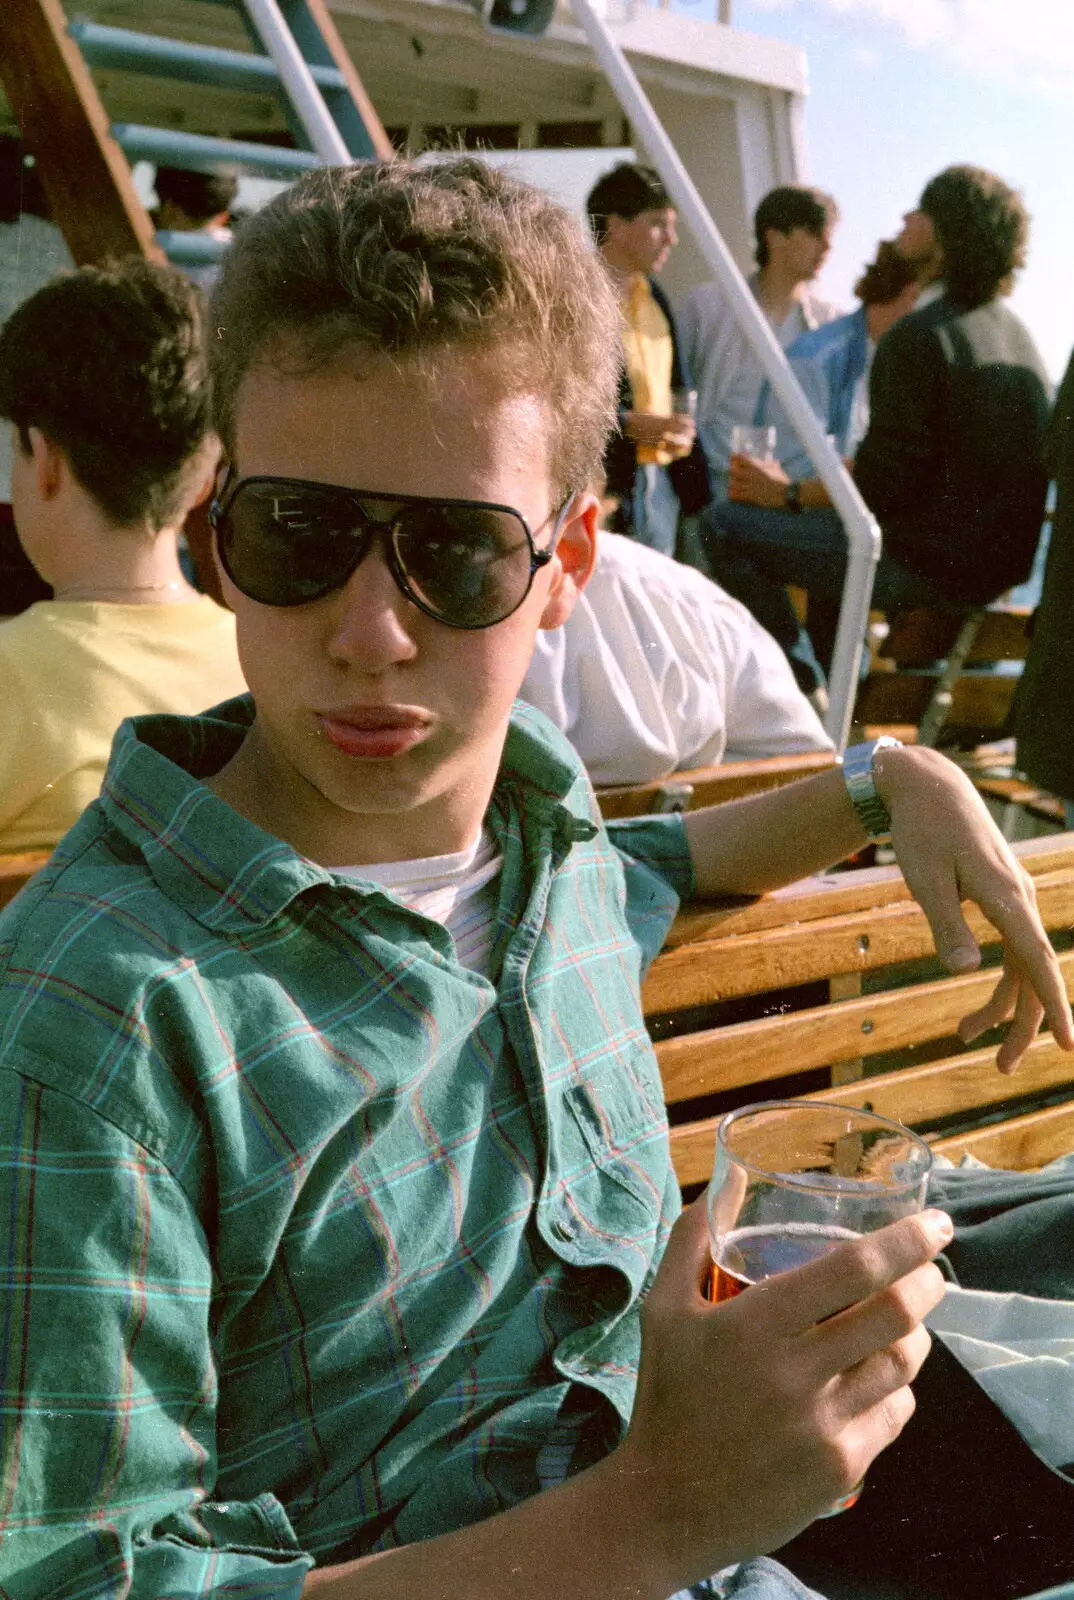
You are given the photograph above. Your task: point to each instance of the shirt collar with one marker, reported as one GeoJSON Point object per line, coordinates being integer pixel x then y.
{"type": "Point", "coordinates": [930, 294]}
{"type": "Point", "coordinates": [232, 875]}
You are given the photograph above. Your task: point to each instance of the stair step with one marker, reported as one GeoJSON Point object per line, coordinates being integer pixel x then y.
{"type": "Point", "coordinates": [203, 154]}
{"type": "Point", "coordinates": [210, 65]}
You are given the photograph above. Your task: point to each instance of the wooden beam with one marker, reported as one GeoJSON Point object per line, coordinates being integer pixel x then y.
{"type": "Point", "coordinates": [17, 870]}
{"type": "Point", "coordinates": [65, 126]}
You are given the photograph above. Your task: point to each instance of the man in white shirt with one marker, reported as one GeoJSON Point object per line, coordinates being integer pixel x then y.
{"type": "Point", "coordinates": [658, 669]}
{"type": "Point", "coordinates": [793, 226]}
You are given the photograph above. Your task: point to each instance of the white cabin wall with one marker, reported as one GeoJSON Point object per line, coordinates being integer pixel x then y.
{"type": "Point", "coordinates": [704, 131]}
{"type": "Point", "coordinates": [735, 147]}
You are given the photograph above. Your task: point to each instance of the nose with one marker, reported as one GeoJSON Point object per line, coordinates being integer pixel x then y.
{"type": "Point", "coordinates": [369, 618]}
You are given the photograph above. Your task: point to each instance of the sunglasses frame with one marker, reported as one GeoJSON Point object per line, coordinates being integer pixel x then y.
{"type": "Point", "coordinates": [230, 486]}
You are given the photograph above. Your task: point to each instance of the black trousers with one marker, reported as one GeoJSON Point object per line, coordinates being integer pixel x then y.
{"type": "Point", "coordinates": [959, 1507]}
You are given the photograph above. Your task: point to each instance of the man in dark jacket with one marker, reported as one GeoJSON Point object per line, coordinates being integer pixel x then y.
{"type": "Point", "coordinates": [653, 466]}
{"type": "Point", "coordinates": [952, 463]}
{"type": "Point", "coordinates": [1042, 720]}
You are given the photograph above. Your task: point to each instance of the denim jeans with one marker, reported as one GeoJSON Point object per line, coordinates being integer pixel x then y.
{"type": "Point", "coordinates": [754, 552]}
{"type": "Point", "coordinates": [655, 516]}
{"type": "Point", "coordinates": [762, 1579]}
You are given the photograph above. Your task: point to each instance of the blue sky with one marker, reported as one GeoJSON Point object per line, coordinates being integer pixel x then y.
{"type": "Point", "coordinates": [902, 88]}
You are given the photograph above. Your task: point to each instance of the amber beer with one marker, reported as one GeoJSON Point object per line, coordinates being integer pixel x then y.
{"type": "Point", "coordinates": [749, 1255]}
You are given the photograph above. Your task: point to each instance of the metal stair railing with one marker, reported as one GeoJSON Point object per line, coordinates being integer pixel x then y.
{"type": "Point", "coordinates": [862, 529]}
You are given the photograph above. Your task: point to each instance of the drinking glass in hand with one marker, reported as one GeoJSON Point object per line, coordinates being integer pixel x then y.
{"type": "Point", "coordinates": [760, 443]}
{"type": "Point", "coordinates": [794, 1179]}
{"type": "Point", "coordinates": [684, 403]}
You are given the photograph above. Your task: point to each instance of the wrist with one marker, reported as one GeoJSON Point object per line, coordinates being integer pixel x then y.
{"type": "Point", "coordinates": [859, 765]}
{"type": "Point", "coordinates": [644, 1537]}
{"type": "Point", "coordinates": [900, 770]}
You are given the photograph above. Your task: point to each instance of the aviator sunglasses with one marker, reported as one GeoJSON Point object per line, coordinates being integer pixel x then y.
{"type": "Point", "coordinates": [287, 541]}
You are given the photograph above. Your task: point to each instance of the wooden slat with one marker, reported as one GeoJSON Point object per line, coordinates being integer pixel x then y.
{"type": "Point", "coordinates": [961, 1083]}
{"type": "Point", "coordinates": [1017, 792]}
{"type": "Point", "coordinates": [715, 1059]}
{"type": "Point", "coordinates": [707, 970]}
{"type": "Point", "coordinates": [1021, 1143]}
{"type": "Point", "coordinates": [979, 700]}
{"type": "Point", "coordinates": [85, 173]}
{"type": "Point", "coordinates": [927, 633]}
{"type": "Point", "coordinates": [925, 1094]}
{"type": "Point", "coordinates": [17, 870]}
{"type": "Point", "coordinates": [836, 894]}
{"type": "Point", "coordinates": [713, 785]}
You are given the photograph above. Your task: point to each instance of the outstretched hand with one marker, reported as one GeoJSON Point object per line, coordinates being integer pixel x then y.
{"type": "Point", "coordinates": [950, 850]}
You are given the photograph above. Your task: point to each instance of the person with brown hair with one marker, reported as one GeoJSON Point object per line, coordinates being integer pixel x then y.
{"type": "Point", "coordinates": [832, 363]}
{"type": "Point", "coordinates": [654, 467]}
{"type": "Point", "coordinates": [103, 381]}
{"type": "Point", "coordinates": [793, 226]}
{"type": "Point", "coordinates": [332, 1145]}
{"type": "Point", "coordinates": [952, 462]}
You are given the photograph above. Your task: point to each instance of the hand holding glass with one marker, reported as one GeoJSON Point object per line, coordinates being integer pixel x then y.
{"type": "Point", "coordinates": [794, 1179]}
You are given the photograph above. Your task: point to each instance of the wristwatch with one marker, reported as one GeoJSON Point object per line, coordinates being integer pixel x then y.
{"type": "Point", "coordinates": [872, 813]}
{"type": "Point", "coordinates": [792, 497]}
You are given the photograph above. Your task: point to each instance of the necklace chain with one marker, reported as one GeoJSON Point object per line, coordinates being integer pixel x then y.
{"type": "Point", "coordinates": [102, 591]}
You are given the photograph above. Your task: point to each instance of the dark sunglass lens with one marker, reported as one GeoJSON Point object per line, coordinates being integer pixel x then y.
{"type": "Point", "coordinates": [469, 565]}
{"type": "Point", "coordinates": [284, 545]}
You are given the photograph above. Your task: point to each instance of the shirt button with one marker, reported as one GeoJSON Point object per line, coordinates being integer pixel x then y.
{"type": "Point", "coordinates": [563, 1230]}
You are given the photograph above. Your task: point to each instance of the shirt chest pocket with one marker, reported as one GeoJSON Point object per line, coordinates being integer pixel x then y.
{"type": "Point", "coordinates": [615, 1155]}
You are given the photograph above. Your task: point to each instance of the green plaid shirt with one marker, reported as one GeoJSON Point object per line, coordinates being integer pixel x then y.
{"type": "Point", "coordinates": [317, 1241]}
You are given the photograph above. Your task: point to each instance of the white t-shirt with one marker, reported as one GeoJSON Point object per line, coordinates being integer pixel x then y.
{"type": "Point", "coordinates": [657, 668]}
{"type": "Point", "coordinates": [460, 891]}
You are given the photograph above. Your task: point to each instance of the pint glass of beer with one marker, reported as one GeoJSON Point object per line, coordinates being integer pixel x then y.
{"type": "Point", "coordinates": [794, 1179]}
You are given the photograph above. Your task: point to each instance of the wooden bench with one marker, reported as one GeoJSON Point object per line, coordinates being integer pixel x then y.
{"type": "Point", "coordinates": [877, 1030]}
{"type": "Point", "coordinates": [949, 671]}
{"type": "Point", "coordinates": [709, 786]}
{"type": "Point", "coordinates": [17, 870]}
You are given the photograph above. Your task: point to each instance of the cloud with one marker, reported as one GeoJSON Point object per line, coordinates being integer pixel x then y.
{"type": "Point", "coordinates": [1031, 41]}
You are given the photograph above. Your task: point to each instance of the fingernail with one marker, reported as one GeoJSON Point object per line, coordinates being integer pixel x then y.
{"type": "Point", "coordinates": [939, 1225]}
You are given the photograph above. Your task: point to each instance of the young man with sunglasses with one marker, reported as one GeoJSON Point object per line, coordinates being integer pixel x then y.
{"type": "Point", "coordinates": [333, 1152]}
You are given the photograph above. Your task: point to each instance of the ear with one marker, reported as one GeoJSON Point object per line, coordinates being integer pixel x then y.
{"type": "Point", "coordinates": [572, 564]}
{"type": "Point", "coordinates": [51, 468]}
{"type": "Point", "coordinates": [210, 468]}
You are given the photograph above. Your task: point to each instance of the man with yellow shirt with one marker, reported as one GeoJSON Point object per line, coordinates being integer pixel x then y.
{"type": "Point", "coordinates": [653, 465]}
{"type": "Point", "coordinates": [102, 379]}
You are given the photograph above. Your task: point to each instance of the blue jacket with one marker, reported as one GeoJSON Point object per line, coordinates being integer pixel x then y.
{"type": "Point", "coordinates": [828, 362]}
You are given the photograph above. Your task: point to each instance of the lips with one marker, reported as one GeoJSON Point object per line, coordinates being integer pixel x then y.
{"type": "Point", "coordinates": [374, 732]}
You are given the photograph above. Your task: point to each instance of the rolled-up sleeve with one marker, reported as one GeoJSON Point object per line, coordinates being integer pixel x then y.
{"type": "Point", "coordinates": [109, 1386]}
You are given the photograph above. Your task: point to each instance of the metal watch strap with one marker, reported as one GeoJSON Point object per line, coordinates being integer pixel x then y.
{"type": "Point", "coordinates": [858, 776]}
